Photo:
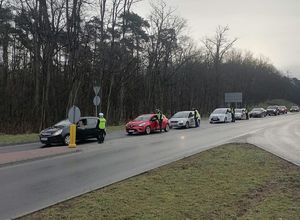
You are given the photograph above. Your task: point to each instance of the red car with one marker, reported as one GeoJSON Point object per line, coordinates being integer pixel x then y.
{"type": "Point", "coordinates": [145, 124]}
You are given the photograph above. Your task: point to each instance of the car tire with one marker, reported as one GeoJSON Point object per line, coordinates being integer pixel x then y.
{"type": "Point", "coordinates": [67, 140]}
{"type": "Point", "coordinates": [167, 128]}
{"type": "Point", "coordinates": [147, 130]}
{"type": "Point", "coordinates": [187, 125]}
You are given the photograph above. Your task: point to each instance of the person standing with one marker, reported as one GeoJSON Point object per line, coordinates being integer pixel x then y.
{"type": "Point", "coordinates": [233, 115]}
{"type": "Point", "coordinates": [196, 117]}
{"type": "Point", "coordinates": [101, 128]}
{"type": "Point", "coordinates": [160, 119]}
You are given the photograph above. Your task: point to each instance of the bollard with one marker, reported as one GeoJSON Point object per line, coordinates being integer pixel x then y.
{"type": "Point", "coordinates": [72, 143]}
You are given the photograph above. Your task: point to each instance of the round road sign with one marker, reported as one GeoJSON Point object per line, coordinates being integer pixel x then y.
{"type": "Point", "coordinates": [97, 100]}
{"type": "Point", "coordinates": [74, 114]}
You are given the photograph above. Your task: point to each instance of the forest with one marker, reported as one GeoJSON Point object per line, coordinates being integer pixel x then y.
{"type": "Point", "coordinates": [53, 52]}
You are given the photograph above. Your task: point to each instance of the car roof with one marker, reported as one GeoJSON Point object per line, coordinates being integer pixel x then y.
{"type": "Point", "coordinates": [184, 112]}
{"type": "Point", "coordinates": [88, 117]}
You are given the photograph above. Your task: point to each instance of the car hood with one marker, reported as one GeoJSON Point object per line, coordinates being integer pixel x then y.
{"type": "Point", "coordinates": [136, 123]}
{"type": "Point", "coordinates": [255, 112]}
{"type": "Point", "coordinates": [178, 119]}
{"type": "Point", "coordinates": [50, 130]}
{"type": "Point", "coordinates": [217, 115]}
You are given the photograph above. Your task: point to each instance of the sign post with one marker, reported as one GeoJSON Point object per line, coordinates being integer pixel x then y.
{"type": "Point", "coordinates": [74, 117]}
{"type": "Point", "coordinates": [97, 99]}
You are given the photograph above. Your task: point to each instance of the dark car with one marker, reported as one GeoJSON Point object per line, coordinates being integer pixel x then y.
{"type": "Point", "coordinates": [283, 110]}
{"type": "Point", "coordinates": [258, 113]}
{"type": "Point", "coordinates": [87, 128]}
{"type": "Point", "coordinates": [273, 110]}
{"type": "Point", "coordinates": [294, 109]}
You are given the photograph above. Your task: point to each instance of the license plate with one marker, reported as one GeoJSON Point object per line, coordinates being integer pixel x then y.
{"type": "Point", "coordinates": [44, 139]}
{"type": "Point", "coordinates": [131, 131]}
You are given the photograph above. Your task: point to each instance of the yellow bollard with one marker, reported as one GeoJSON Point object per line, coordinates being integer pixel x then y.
{"type": "Point", "coordinates": [72, 143]}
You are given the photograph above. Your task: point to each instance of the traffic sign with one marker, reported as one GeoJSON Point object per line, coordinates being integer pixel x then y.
{"type": "Point", "coordinates": [234, 97]}
{"type": "Point", "coordinates": [96, 90]}
{"type": "Point", "coordinates": [97, 100]}
{"type": "Point", "coordinates": [74, 114]}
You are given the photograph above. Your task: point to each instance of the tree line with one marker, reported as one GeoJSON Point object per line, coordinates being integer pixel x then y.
{"type": "Point", "coordinates": [52, 53]}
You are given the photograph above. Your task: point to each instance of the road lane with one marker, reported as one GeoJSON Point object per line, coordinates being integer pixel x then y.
{"type": "Point", "coordinates": [34, 185]}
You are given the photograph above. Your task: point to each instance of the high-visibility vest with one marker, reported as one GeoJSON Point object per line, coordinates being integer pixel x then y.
{"type": "Point", "coordinates": [159, 116]}
{"type": "Point", "coordinates": [197, 114]}
{"type": "Point", "coordinates": [102, 123]}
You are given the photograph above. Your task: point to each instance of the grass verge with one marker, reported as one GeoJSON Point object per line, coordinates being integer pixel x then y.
{"type": "Point", "coordinates": [229, 182]}
{"type": "Point", "coordinates": [17, 139]}
{"type": "Point", "coordinates": [6, 139]}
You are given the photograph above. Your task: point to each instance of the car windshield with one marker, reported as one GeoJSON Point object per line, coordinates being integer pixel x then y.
{"type": "Point", "coordinates": [238, 110]}
{"type": "Point", "coordinates": [295, 107]}
{"type": "Point", "coordinates": [143, 118]}
{"type": "Point", "coordinates": [63, 123]}
{"type": "Point", "coordinates": [181, 115]}
{"type": "Point", "coordinates": [272, 107]}
{"type": "Point", "coordinates": [256, 109]}
{"type": "Point", "coordinates": [219, 111]}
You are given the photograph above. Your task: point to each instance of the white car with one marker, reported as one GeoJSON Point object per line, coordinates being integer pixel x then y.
{"type": "Point", "coordinates": [183, 119]}
{"type": "Point", "coordinates": [221, 115]}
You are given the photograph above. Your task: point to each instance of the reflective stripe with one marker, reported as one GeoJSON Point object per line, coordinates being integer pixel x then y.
{"type": "Point", "coordinates": [102, 123]}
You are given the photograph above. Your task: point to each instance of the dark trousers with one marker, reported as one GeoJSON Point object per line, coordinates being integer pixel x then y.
{"type": "Point", "coordinates": [101, 135]}
{"type": "Point", "coordinates": [160, 125]}
{"type": "Point", "coordinates": [196, 122]}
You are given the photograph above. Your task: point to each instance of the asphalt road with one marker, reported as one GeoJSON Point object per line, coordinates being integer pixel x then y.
{"type": "Point", "coordinates": [34, 185]}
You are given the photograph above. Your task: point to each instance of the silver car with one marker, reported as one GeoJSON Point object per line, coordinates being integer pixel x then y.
{"type": "Point", "coordinates": [183, 119]}
{"type": "Point", "coordinates": [241, 114]}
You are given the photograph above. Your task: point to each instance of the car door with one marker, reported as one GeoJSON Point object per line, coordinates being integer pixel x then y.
{"type": "Point", "coordinates": [229, 115]}
{"type": "Point", "coordinates": [154, 123]}
{"type": "Point", "coordinates": [192, 119]}
{"type": "Point", "coordinates": [81, 129]}
{"type": "Point", "coordinates": [92, 130]}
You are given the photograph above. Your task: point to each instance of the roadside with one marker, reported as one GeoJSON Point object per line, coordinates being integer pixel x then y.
{"type": "Point", "coordinates": [6, 140]}
{"type": "Point", "coordinates": [235, 181]}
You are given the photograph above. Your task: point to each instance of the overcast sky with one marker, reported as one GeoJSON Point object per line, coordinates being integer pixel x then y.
{"type": "Point", "coordinates": [265, 27]}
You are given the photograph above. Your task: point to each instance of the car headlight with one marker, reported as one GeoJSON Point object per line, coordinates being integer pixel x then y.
{"type": "Point", "coordinates": [57, 132]}
{"type": "Point", "coordinates": [181, 122]}
{"type": "Point", "coordinates": [142, 125]}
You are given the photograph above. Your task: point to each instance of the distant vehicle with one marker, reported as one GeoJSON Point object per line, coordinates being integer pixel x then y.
{"type": "Point", "coordinates": [60, 132]}
{"type": "Point", "coordinates": [145, 124]}
{"type": "Point", "coordinates": [283, 110]}
{"type": "Point", "coordinates": [294, 109]}
{"type": "Point", "coordinates": [241, 114]}
{"type": "Point", "coordinates": [258, 113]}
{"type": "Point", "coordinates": [273, 110]}
{"type": "Point", "coordinates": [184, 119]}
{"type": "Point", "coordinates": [220, 115]}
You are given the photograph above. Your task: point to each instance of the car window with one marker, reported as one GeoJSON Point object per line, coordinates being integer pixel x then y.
{"type": "Point", "coordinates": [82, 123]}
{"type": "Point", "coordinates": [92, 122]}
{"type": "Point", "coordinates": [191, 115]}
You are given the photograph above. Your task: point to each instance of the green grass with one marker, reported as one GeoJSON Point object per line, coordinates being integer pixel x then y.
{"type": "Point", "coordinates": [17, 139]}
{"type": "Point", "coordinates": [115, 128]}
{"type": "Point", "coordinates": [230, 182]}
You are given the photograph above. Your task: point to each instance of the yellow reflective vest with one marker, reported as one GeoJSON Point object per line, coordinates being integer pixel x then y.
{"type": "Point", "coordinates": [102, 123]}
{"type": "Point", "coordinates": [197, 114]}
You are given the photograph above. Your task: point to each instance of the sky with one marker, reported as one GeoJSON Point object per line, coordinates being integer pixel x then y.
{"type": "Point", "coordinates": [269, 28]}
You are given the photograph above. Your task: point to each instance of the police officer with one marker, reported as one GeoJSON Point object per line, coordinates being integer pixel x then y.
{"type": "Point", "coordinates": [101, 128]}
{"type": "Point", "coordinates": [233, 114]}
{"type": "Point", "coordinates": [196, 117]}
{"type": "Point", "coordinates": [159, 118]}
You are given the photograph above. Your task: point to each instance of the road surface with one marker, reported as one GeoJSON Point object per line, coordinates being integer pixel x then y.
{"type": "Point", "coordinates": [34, 185]}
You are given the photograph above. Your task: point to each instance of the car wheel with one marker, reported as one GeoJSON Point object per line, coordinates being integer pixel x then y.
{"type": "Point", "coordinates": [67, 140]}
{"type": "Point", "coordinates": [187, 125]}
{"type": "Point", "coordinates": [148, 130]}
{"type": "Point", "coordinates": [167, 128]}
